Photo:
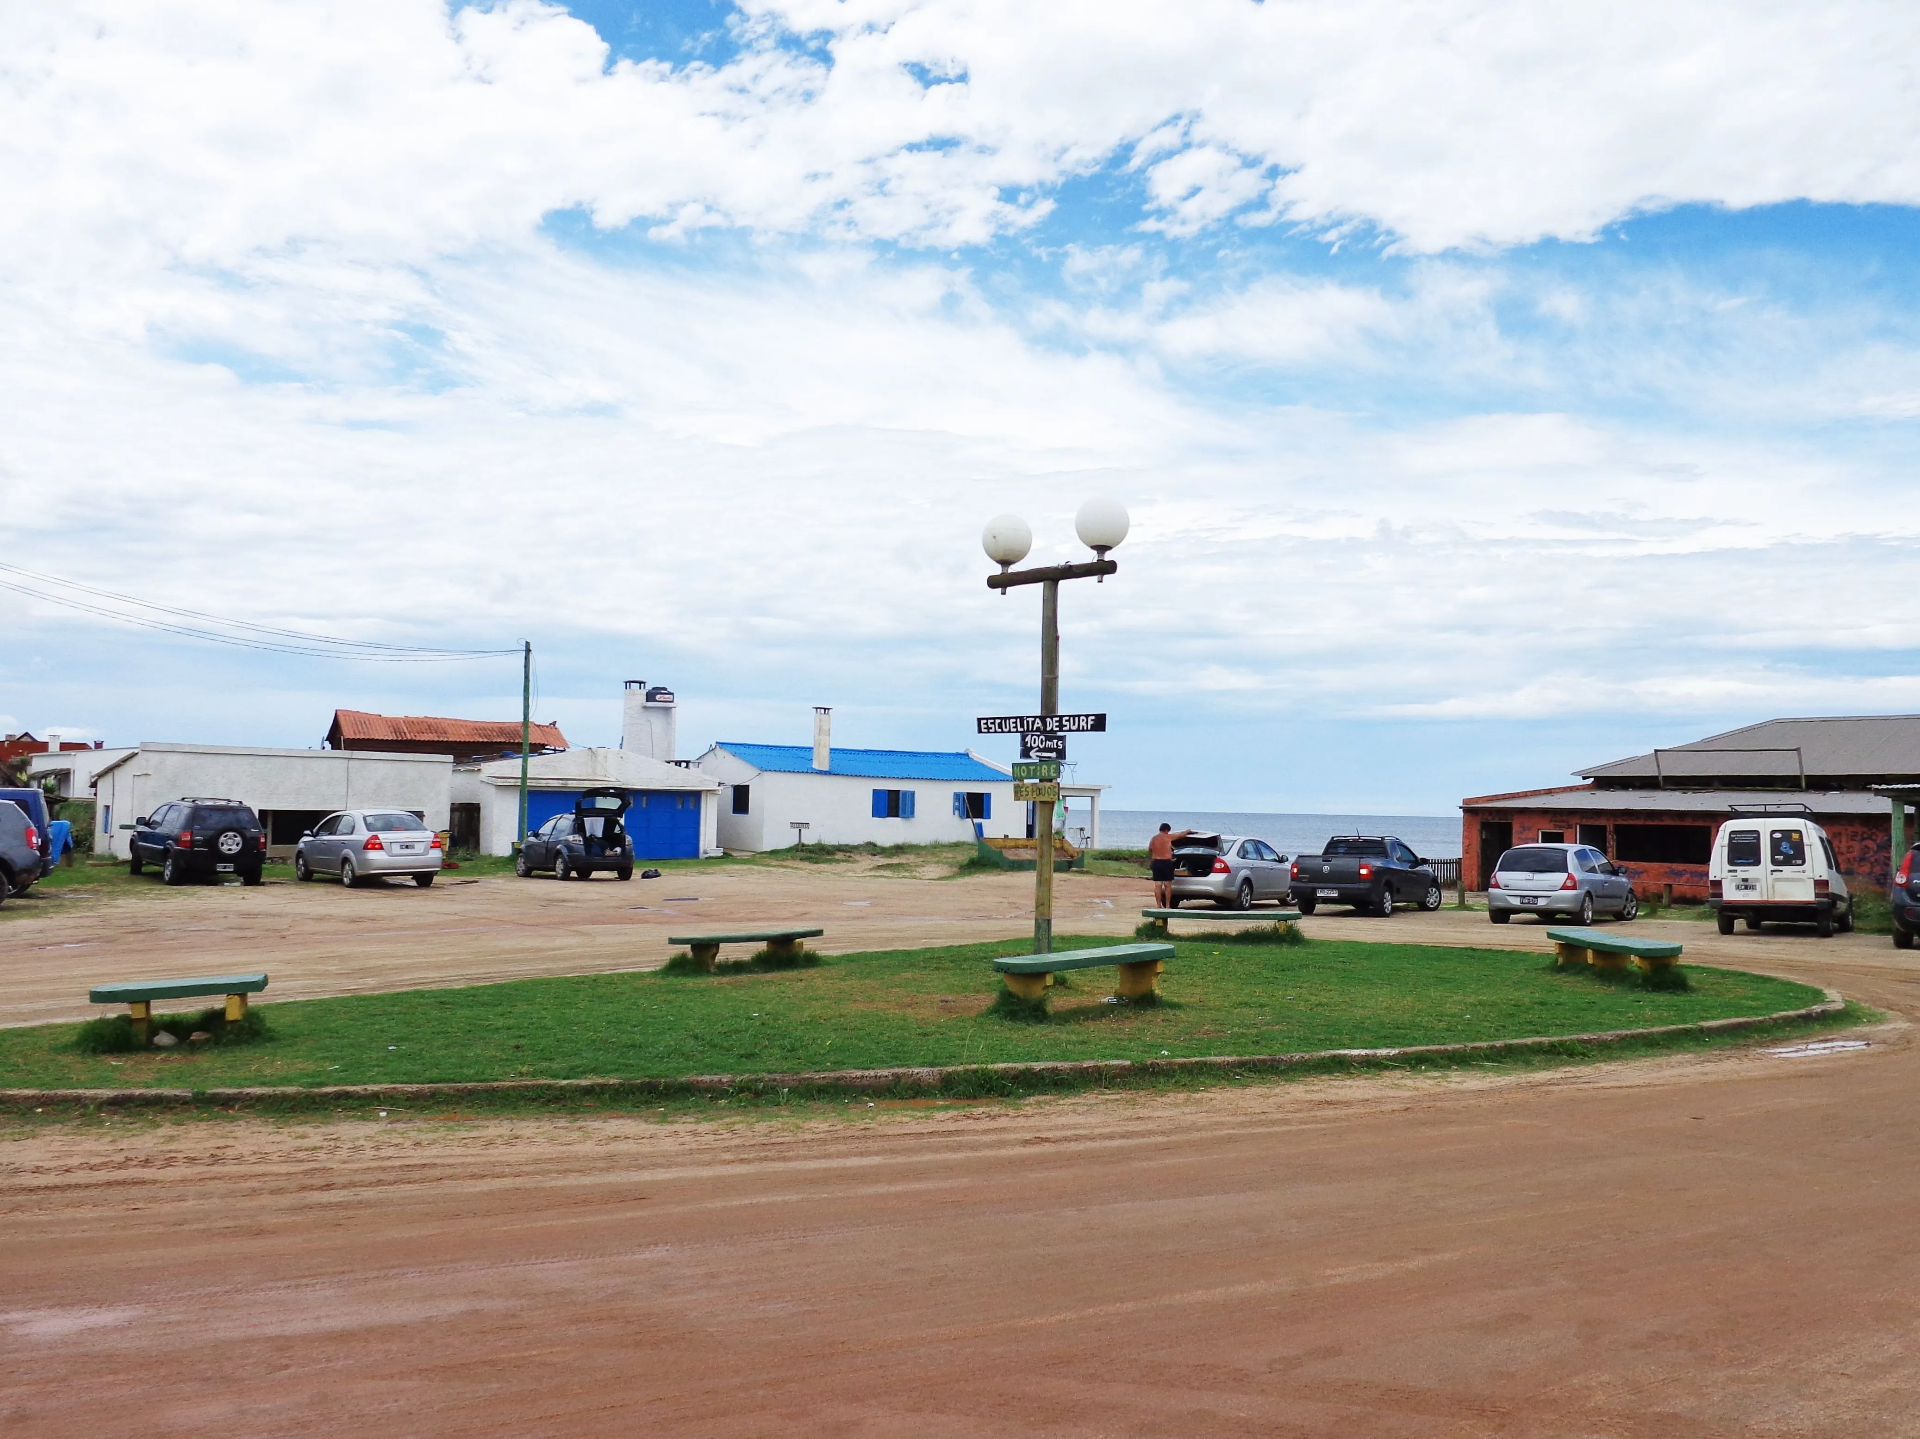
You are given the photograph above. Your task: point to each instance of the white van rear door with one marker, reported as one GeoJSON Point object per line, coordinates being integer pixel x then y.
{"type": "Point", "coordinates": [1790, 864]}
{"type": "Point", "coordinates": [1744, 863]}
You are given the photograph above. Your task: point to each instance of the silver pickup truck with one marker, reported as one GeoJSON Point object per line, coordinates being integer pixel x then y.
{"type": "Point", "coordinates": [1373, 872]}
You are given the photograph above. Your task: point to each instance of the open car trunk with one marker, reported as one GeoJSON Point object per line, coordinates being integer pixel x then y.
{"type": "Point", "coordinates": [598, 816]}
{"type": "Point", "coordinates": [1196, 853]}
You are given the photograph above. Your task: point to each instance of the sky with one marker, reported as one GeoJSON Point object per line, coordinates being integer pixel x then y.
{"type": "Point", "coordinates": [1496, 389]}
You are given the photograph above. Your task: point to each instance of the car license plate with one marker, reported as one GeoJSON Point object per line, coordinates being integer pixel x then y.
{"type": "Point", "coordinates": [406, 849]}
{"type": "Point", "coordinates": [1326, 894]}
{"type": "Point", "coordinates": [1527, 899]}
{"type": "Point", "coordinates": [223, 869]}
{"type": "Point", "coordinates": [1746, 884]}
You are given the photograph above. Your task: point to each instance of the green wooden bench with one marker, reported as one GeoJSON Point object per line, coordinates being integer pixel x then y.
{"type": "Point", "coordinates": [780, 943]}
{"type": "Point", "coordinates": [1606, 950]}
{"type": "Point", "coordinates": [1281, 918]}
{"type": "Point", "coordinates": [139, 996]}
{"type": "Point", "coordinates": [1028, 975]}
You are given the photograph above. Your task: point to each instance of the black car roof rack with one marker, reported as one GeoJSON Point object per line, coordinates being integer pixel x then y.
{"type": "Point", "coordinates": [1781, 807]}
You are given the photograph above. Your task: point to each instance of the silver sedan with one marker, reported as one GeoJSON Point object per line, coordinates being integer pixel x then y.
{"type": "Point", "coordinates": [1231, 870]}
{"type": "Point", "coordinates": [363, 844]}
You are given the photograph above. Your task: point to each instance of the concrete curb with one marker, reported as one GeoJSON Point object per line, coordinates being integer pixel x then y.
{"type": "Point", "coordinates": [871, 1081]}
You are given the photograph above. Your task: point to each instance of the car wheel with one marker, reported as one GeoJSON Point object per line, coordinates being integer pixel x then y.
{"type": "Point", "coordinates": [1500, 916]}
{"type": "Point", "coordinates": [1245, 896]}
{"type": "Point", "coordinates": [1902, 938]}
{"type": "Point", "coordinates": [425, 881]}
{"type": "Point", "coordinates": [1432, 899]}
{"type": "Point", "coordinates": [1306, 906]}
{"type": "Point", "coordinates": [1726, 922]}
{"type": "Point", "coordinates": [252, 877]}
{"type": "Point", "coordinates": [134, 864]}
{"type": "Point", "coordinates": [1753, 923]}
{"type": "Point", "coordinates": [1846, 921]}
{"type": "Point", "coordinates": [560, 870]}
{"type": "Point", "coordinates": [171, 871]}
{"type": "Point", "coordinates": [1586, 909]}
{"type": "Point", "coordinates": [300, 870]}
{"type": "Point", "coordinates": [349, 876]}
{"type": "Point", "coordinates": [1383, 906]}
{"type": "Point", "coordinates": [1824, 925]}
{"type": "Point", "coordinates": [1630, 908]}
{"type": "Point", "coordinates": [520, 865]}
{"type": "Point", "coordinates": [625, 871]}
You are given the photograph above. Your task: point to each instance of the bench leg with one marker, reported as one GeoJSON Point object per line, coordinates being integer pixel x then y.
{"type": "Point", "coordinates": [783, 949]}
{"type": "Point", "coordinates": [1028, 986]}
{"type": "Point", "coordinates": [142, 1012]}
{"type": "Point", "coordinates": [706, 956]}
{"type": "Point", "coordinates": [1608, 963]}
{"type": "Point", "coordinates": [1140, 980]}
{"type": "Point", "coordinates": [1655, 967]}
{"type": "Point", "coordinates": [236, 1008]}
{"type": "Point", "coordinates": [1566, 956]}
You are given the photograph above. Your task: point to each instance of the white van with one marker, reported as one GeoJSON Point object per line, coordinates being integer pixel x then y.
{"type": "Point", "coordinates": [1775, 863]}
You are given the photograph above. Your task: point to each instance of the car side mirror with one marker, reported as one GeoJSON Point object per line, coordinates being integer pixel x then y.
{"type": "Point", "coordinates": [306, 834]}
{"type": "Point", "coordinates": [141, 821]}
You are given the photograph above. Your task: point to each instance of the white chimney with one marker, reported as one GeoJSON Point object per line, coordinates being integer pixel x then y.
{"type": "Point", "coordinates": [822, 737]}
{"type": "Point", "coordinates": [648, 722]}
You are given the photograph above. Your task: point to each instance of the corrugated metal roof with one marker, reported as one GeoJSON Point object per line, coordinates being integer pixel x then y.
{"type": "Point", "coordinates": [868, 763]}
{"type": "Point", "coordinates": [431, 729]}
{"type": "Point", "coordinates": [1687, 801]}
{"type": "Point", "coordinates": [1839, 746]}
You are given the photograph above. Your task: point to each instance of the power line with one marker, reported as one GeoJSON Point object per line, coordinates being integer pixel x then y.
{"type": "Point", "coordinates": [172, 619]}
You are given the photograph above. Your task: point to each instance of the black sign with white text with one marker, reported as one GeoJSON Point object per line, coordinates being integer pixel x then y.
{"type": "Point", "coordinates": [1043, 746]}
{"type": "Point", "coordinates": [1041, 724]}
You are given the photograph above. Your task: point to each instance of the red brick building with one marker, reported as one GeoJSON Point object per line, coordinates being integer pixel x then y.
{"type": "Point", "coordinates": [1655, 814]}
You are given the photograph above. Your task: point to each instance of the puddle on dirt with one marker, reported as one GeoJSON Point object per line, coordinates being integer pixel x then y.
{"type": "Point", "coordinates": [1821, 1046]}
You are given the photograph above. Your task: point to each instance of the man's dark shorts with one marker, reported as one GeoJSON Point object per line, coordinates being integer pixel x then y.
{"type": "Point", "coordinates": [1162, 871]}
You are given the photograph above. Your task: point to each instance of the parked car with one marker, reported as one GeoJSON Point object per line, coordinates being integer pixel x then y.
{"type": "Point", "coordinates": [199, 839]}
{"type": "Point", "coordinates": [1231, 870]}
{"type": "Point", "coordinates": [574, 845]}
{"type": "Point", "coordinates": [33, 803]}
{"type": "Point", "coordinates": [1559, 881]}
{"type": "Point", "coordinates": [1777, 865]}
{"type": "Point", "coordinates": [365, 844]}
{"type": "Point", "coordinates": [1904, 899]}
{"type": "Point", "coordinates": [1368, 871]}
{"type": "Point", "coordinates": [19, 849]}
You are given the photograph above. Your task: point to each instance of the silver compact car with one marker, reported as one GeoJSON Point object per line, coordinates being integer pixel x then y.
{"type": "Point", "coordinates": [1231, 870]}
{"type": "Point", "coordinates": [363, 844]}
{"type": "Point", "coordinates": [1558, 881]}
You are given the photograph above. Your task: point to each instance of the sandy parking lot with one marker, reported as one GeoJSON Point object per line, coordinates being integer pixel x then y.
{"type": "Point", "coordinates": [1710, 1245]}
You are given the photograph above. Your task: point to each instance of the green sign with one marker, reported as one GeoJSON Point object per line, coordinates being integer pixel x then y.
{"type": "Point", "coordinates": [1036, 769]}
{"type": "Point", "coordinates": [1046, 793]}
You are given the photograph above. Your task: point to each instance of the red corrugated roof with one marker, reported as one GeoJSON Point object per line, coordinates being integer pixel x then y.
{"type": "Point", "coordinates": [352, 725]}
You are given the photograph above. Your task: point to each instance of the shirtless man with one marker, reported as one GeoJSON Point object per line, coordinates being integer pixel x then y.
{"type": "Point", "coordinates": [1160, 856]}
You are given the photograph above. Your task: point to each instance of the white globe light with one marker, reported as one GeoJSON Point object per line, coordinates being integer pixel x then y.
{"type": "Point", "coordinates": [1006, 539]}
{"type": "Point", "coordinates": [1101, 524]}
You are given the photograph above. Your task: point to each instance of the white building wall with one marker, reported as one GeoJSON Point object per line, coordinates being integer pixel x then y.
{"type": "Point", "coordinates": [265, 780]}
{"type": "Point", "coordinates": [75, 767]}
{"type": "Point", "coordinates": [838, 809]}
{"type": "Point", "coordinates": [499, 796]}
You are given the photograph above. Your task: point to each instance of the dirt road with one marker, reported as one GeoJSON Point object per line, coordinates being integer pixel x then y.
{"type": "Point", "coordinates": [1692, 1246]}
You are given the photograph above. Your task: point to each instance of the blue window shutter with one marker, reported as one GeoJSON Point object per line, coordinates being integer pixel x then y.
{"type": "Point", "coordinates": [906, 804]}
{"type": "Point", "coordinates": [986, 804]}
{"type": "Point", "coordinates": [959, 804]}
{"type": "Point", "coordinates": [879, 804]}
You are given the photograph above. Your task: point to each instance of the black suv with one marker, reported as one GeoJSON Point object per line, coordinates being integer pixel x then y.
{"type": "Point", "coordinates": [199, 839]}
{"type": "Point", "coordinates": [1905, 899]}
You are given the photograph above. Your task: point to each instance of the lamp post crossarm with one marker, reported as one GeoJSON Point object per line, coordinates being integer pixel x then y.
{"type": "Point", "coordinates": [1052, 573]}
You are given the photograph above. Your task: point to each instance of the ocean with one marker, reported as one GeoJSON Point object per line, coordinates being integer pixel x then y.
{"type": "Point", "coordinates": [1432, 836]}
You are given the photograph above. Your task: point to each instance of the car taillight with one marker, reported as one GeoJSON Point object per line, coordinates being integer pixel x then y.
{"type": "Point", "coordinates": [1493, 881]}
{"type": "Point", "coordinates": [186, 839]}
{"type": "Point", "coordinates": [1366, 871]}
{"type": "Point", "coordinates": [263, 840]}
{"type": "Point", "coordinates": [436, 843]}
{"type": "Point", "coordinates": [33, 837]}
{"type": "Point", "coordinates": [1905, 876]}
{"type": "Point", "coordinates": [1715, 889]}
{"type": "Point", "coordinates": [373, 842]}
{"type": "Point", "coordinates": [1821, 886]}
{"type": "Point", "coordinates": [1569, 883]}
{"type": "Point", "coordinates": [1293, 871]}
{"type": "Point", "coordinates": [1220, 865]}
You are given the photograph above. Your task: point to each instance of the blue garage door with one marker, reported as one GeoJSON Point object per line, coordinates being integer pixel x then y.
{"type": "Point", "coordinates": [664, 824]}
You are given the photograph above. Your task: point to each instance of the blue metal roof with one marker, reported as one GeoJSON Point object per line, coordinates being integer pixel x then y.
{"type": "Point", "coordinates": [868, 763]}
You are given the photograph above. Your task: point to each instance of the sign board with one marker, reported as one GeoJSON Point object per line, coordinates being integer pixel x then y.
{"type": "Point", "coordinates": [1036, 769]}
{"type": "Point", "coordinates": [1043, 746]}
{"type": "Point", "coordinates": [1041, 724]}
{"type": "Point", "coordinates": [1046, 792]}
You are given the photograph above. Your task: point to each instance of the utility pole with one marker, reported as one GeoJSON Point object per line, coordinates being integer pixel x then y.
{"type": "Point", "coordinates": [526, 727]}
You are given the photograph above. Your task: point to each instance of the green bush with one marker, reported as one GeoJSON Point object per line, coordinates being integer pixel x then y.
{"type": "Point", "coordinates": [1269, 935]}
{"type": "Point", "coordinates": [760, 962]}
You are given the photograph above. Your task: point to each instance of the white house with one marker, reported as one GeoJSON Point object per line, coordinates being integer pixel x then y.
{"type": "Point", "coordinates": [73, 770]}
{"type": "Point", "coordinates": [290, 789]}
{"type": "Point", "coordinates": [672, 811]}
{"type": "Point", "coordinates": [779, 793]}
